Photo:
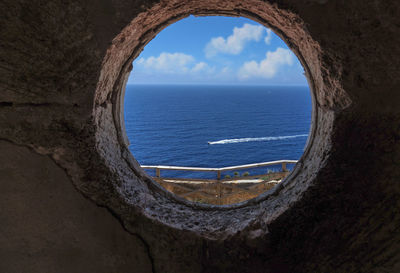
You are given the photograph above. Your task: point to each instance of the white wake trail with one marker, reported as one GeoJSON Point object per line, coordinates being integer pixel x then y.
{"type": "Point", "coordinates": [251, 139]}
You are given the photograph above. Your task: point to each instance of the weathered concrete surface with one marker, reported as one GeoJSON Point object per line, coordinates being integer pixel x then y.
{"type": "Point", "coordinates": [62, 66]}
{"type": "Point", "coordinates": [47, 226]}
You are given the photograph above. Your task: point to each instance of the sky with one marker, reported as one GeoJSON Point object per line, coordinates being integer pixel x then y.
{"type": "Point", "coordinates": [217, 50]}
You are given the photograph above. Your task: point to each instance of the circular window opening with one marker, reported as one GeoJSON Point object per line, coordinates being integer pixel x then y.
{"type": "Point", "coordinates": [217, 109]}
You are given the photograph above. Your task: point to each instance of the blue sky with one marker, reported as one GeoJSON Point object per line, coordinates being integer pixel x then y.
{"type": "Point", "coordinates": [217, 50]}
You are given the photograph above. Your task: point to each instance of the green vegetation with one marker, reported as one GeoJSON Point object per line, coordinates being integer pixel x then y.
{"type": "Point", "coordinates": [237, 174]}
{"type": "Point", "coordinates": [200, 200]}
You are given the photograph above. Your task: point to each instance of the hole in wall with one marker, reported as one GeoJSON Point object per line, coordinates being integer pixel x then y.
{"type": "Point", "coordinates": [135, 190]}
{"type": "Point", "coordinates": [217, 117]}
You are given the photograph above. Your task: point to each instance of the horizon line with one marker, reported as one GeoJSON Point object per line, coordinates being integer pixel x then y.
{"type": "Point", "coordinates": [222, 84]}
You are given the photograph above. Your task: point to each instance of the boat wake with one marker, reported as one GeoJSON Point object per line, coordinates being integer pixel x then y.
{"type": "Point", "coordinates": [252, 139]}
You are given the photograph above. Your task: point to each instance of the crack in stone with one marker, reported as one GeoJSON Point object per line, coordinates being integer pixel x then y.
{"type": "Point", "coordinates": [137, 235]}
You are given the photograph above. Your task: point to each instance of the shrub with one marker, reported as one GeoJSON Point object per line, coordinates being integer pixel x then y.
{"type": "Point", "coordinates": [236, 174]}
{"type": "Point", "coordinates": [227, 176]}
{"type": "Point", "coordinates": [246, 174]}
{"type": "Point", "coordinates": [200, 200]}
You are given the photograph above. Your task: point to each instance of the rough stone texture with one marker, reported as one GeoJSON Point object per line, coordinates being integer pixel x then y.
{"type": "Point", "coordinates": [62, 67]}
{"type": "Point", "coordinates": [47, 226]}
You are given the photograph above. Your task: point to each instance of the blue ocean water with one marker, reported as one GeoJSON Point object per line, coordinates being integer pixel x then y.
{"type": "Point", "coordinates": [216, 126]}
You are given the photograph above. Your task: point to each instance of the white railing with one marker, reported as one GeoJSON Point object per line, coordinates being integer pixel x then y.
{"type": "Point", "coordinates": [218, 171]}
{"type": "Point", "coordinates": [220, 191]}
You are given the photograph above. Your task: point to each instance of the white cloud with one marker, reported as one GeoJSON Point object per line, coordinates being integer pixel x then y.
{"type": "Point", "coordinates": [226, 70]}
{"type": "Point", "coordinates": [173, 63]}
{"type": "Point", "coordinates": [201, 66]}
{"type": "Point", "coordinates": [234, 43]}
{"type": "Point", "coordinates": [268, 67]}
{"type": "Point", "coordinates": [268, 38]}
{"type": "Point", "coordinates": [167, 62]}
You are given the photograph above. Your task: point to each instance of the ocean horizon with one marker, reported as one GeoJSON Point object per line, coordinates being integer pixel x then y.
{"type": "Point", "coordinates": [216, 125]}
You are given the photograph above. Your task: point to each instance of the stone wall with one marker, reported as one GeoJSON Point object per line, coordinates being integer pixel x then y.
{"type": "Point", "coordinates": [73, 199]}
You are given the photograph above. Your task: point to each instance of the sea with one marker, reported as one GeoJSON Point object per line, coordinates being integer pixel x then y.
{"type": "Point", "coordinates": [216, 126]}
